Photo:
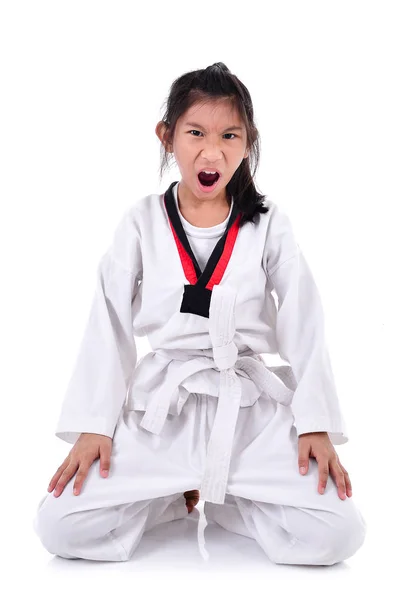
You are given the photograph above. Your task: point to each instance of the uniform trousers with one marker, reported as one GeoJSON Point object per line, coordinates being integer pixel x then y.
{"type": "Point", "coordinates": [266, 497]}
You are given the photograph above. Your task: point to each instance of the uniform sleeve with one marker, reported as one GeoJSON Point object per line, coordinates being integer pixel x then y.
{"type": "Point", "coordinates": [300, 333]}
{"type": "Point", "coordinates": [107, 356]}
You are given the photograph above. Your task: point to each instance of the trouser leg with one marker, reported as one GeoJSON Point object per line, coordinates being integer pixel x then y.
{"type": "Point", "coordinates": [294, 535]}
{"type": "Point", "coordinates": [227, 515]}
{"type": "Point", "coordinates": [148, 477]}
{"type": "Point", "coordinates": [110, 533]}
{"type": "Point", "coordinates": [282, 509]}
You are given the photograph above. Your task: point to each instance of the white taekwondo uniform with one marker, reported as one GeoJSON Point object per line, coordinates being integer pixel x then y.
{"type": "Point", "coordinates": [203, 410]}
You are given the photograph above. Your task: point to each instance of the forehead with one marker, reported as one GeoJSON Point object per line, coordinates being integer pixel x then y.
{"type": "Point", "coordinates": [212, 114]}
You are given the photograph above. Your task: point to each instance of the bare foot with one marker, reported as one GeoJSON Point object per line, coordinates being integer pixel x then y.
{"type": "Point", "coordinates": [192, 499]}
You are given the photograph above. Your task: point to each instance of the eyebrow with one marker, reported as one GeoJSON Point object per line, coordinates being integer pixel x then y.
{"type": "Point", "coordinates": [234, 127]}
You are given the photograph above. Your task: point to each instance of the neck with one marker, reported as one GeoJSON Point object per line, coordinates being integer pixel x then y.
{"type": "Point", "coordinates": [189, 201]}
{"type": "Point", "coordinates": [203, 212]}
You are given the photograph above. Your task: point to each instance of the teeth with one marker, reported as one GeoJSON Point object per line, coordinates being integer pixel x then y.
{"type": "Point", "coordinates": [209, 172]}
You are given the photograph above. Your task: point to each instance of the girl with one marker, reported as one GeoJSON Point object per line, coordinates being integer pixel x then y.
{"type": "Point", "coordinates": [203, 411]}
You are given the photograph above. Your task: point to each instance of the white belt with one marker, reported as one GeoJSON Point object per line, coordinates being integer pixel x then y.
{"type": "Point", "coordinates": [224, 357]}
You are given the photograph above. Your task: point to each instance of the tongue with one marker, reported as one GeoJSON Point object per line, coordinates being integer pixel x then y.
{"type": "Point", "coordinates": [207, 179]}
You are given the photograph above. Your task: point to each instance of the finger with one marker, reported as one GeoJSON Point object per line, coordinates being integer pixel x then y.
{"type": "Point", "coordinates": [349, 489]}
{"type": "Point", "coordinates": [323, 470]}
{"type": "Point", "coordinates": [104, 461]}
{"type": "Point", "coordinates": [56, 475]}
{"type": "Point", "coordinates": [80, 477]}
{"type": "Point", "coordinates": [339, 479]}
{"type": "Point", "coordinates": [65, 477]}
{"type": "Point", "coordinates": [304, 456]}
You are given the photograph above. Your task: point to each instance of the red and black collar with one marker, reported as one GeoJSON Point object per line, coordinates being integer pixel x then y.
{"type": "Point", "coordinates": [197, 295]}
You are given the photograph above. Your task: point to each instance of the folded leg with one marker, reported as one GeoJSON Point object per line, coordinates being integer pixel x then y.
{"type": "Point", "coordinates": [281, 509]}
{"type": "Point", "coordinates": [145, 487]}
{"type": "Point", "coordinates": [110, 533]}
{"type": "Point", "coordinates": [294, 535]}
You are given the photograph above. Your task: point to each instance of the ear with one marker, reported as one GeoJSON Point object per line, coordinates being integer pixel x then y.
{"type": "Point", "coordinates": [161, 131]}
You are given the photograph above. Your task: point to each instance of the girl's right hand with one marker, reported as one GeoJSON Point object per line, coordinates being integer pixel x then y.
{"type": "Point", "coordinates": [87, 448]}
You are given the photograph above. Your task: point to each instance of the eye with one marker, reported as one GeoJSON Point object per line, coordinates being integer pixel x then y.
{"type": "Point", "coordinates": [234, 135]}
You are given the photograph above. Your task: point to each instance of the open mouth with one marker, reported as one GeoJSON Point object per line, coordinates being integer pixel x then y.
{"type": "Point", "coordinates": [207, 180]}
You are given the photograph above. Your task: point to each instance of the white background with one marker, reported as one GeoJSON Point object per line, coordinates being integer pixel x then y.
{"type": "Point", "coordinates": [82, 88]}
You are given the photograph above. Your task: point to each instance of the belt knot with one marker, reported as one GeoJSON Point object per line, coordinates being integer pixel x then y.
{"type": "Point", "coordinates": [225, 356]}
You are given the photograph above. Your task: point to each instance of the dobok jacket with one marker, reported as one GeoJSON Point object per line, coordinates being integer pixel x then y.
{"type": "Point", "coordinates": [207, 331]}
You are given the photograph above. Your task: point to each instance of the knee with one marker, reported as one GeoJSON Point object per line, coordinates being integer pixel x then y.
{"type": "Point", "coordinates": [62, 532]}
{"type": "Point", "coordinates": [344, 535]}
{"type": "Point", "coordinates": [324, 537]}
{"type": "Point", "coordinates": [75, 533]}
{"type": "Point", "coordinates": [52, 527]}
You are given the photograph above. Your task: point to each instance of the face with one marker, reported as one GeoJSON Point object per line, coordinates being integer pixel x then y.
{"type": "Point", "coordinates": [206, 138]}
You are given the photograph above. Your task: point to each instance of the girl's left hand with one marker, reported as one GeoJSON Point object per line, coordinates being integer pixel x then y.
{"type": "Point", "coordinates": [318, 445]}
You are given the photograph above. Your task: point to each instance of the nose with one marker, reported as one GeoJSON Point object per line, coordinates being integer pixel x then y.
{"type": "Point", "coordinates": [211, 152]}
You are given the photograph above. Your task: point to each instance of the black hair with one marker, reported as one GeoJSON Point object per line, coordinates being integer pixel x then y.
{"type": "Point", "coordinates": [217, 82]}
